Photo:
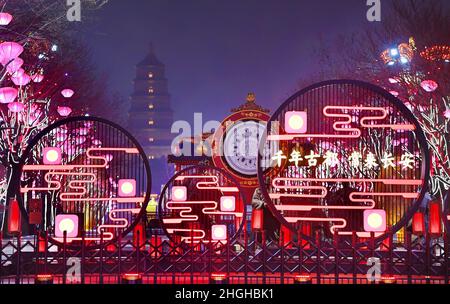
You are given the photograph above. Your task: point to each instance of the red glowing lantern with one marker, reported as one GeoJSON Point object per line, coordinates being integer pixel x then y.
{"type": "Point", "coordinates": [14, 218]}
{"type": "Point", "coordinates": [9, 51]}
{"type": "Point", "coordinates": [429, 85]}
{"type": "Point", "coordinates": [5, 19]}
{"type": "Point", "coordinates": [67, 93]}
{"type": "Point", "coordinates": [37, 78]}
{"type": "Point", "coordinates": [435, 228]}
{"type": "Point", "coordinates": [21, 80]}
{"type": "Point", "coordinates": [14, 65]}
{"type": "Point", "coordinates": [139, 235]}
{"type": "Point", "coordinates": [257, 219]}
{"type": "Point", "coordinates": [8, 94]}
{"type": "Point", "coordinates": [418, 223]}
{"type": "Point", "coordinates": [64, 111]}
{"type": "Point", "coordinates": [15, 107]}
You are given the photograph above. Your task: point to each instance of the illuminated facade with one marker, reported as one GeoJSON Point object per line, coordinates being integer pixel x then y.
{"type": "Point", "coordinates": [151, 115]}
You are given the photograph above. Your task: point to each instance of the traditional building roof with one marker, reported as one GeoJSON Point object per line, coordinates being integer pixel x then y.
{"type": "Point", "coordinates": [151, 59]}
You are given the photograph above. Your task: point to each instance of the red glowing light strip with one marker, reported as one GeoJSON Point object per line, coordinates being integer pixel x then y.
{"type": "Point", "coordinates": [347, 122]}
{"type": "Point", "coordinates": [189, 238]}
{"type": "Point", "coordinates": [412, 182]}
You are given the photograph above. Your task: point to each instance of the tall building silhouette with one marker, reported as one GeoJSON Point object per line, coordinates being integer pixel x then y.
{"type": "Point", "coordinates": [151, 116]}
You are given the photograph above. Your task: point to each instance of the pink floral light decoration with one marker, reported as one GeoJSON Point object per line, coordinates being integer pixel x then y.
{"type": "Point", "coordinates": [8, 94]}
{"type": "Point", "coordinates": [429, 85]}
{"type": "Point", "coordinates": [64, 111]}
{"type": "Point", "coordinates": [15, 107]}
{"type": "Point", "coordinates": [394, 93]}
{"type": "Point", "coordinates": [9, 51]}
{"type": "Point", "coordinates": [447, 113]}
{"type": "Point", "coordinates": [5, 19]}
{"type": "Point", "coordinates": [14, 65]}
{"type": "Point", "coordinates": [22, 80]}
{"type": "Point", "coordinates": [37, 78]}
{"type": "Point", "coordinates": [67, 93]}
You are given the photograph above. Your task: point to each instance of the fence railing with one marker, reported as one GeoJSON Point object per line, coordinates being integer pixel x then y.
{"type": "Point", "coordinates": [247, 259]}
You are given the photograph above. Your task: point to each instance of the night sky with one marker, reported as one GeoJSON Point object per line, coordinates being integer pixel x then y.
{"type": "Point", "coordinates": [216, 52]}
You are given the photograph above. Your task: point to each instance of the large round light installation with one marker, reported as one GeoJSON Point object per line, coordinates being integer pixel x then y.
{"type": "Point", "coordinates": [351, 159]}
{"type": "Point", "coordinates": [202, 204]}
{"type": "Point", "coordinates": [92, 193]}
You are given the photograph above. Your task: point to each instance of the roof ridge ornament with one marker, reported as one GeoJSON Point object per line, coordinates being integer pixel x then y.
{"type": "Point", "coordinates": [250, 105]}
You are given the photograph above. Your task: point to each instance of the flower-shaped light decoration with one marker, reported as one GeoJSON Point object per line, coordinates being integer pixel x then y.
{"type": "Point", "coordinates": [5, 19]}
{"type": "Point", "coordinates": [9, 51]}
{"type": "Point", "coordinates": [67, 93]}
{"type": "Point", "coordinates": [429, 85]}
{"type": "Point", "coordinates": [64, 111]}
{"type": "Point", "coordinates": [14, 65]}
{"type": "Point", "coordinates": [8, 94]}
{"type": "Point", "coordinates": [21, 80]}
{"type": "Point", "coordinates": [15, 107]}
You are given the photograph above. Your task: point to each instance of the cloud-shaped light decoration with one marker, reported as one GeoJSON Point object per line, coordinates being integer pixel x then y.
{"type": "Point", "coordinates": [8, 94]}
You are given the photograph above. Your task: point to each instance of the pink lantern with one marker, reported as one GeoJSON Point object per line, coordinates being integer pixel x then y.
{"type": "Point", "coordinates": [15, 107]}
{"type": "Point", "coordinates": [429, 85]}
{"type": "Point", "coordinates": [14, 65]}
{"type": "Point", "coordinates": [9, 51]}
{"type": "Point", "coordinates": [37, 78]}
{"type": "Point", "coordinates": [80, 140]}
{"type": "Point", "coordinates": [22, 80]}
{"type": "Point", "coordinates": [5, 19]}
{"type": "Point", "coordinates": [8, 94]}
{"type": "Point", "coordinates": [64, 111]}
{"type": "Point", "coordinates": [108, 157]}
{"type": "Point", "coordinates": [67, 93]}
{"type": "Point", "coordinates": [83, 131]}
{"type": "Point", "coordinates": [97, 142]}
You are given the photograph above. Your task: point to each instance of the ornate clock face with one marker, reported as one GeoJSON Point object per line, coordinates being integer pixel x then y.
{"type": "Point", "coordinates": [240, 146]}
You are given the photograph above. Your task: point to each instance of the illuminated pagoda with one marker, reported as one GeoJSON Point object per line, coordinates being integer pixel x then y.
{"type": "Point", "coordinates": [151, 115]}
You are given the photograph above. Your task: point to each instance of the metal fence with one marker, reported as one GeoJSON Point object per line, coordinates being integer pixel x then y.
{"type": "Point", "coordinates": [247, 260]}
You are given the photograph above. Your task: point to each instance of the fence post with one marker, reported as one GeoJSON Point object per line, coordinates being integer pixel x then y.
{"type": "Point", "coordinates": [138, 249]}
{"type": "Point", "coordinates": [228, 258]}
{"type": "Point", "coordinates": [101, 259]}
{"type": "Point", "coordinates": [427, 257]}
{"type": "Point", "coordinates": [354, 261]}
{"type": "Point", "coordinates": [282, 255]}
{"type": "Point", "coordinates": [246, 256]}
{"type": "Point", "coordinates": [64, 257]}
{"type": "Point", "coordinates": [318, 257]}
{"type": "Point", "coordinates": [391, 253]}
{"type": "Point", "coordinates": [19, 253]}
{"type": "Point", "coordinates": [409, 256]}
{"type": "Point", "coordinates": [336, 257]}
{"type": "Point", "coordinates": [263, 240]}
{"type": "Point", "coordinates": [300, 251]}
{"type": "Point", "coordinates": [446, 256]}
{"type": "Point", "coordinates": [83, 241]}
{"type": "Point", "coordinates": [119, 248]}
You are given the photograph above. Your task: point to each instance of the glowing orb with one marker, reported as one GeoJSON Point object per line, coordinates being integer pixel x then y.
{"type": "Point", "coordinates": [68, 223]}
{"type": "Point", "coordinates": [219, 232]}
{"type": "Point", "coordinates": [375, 220]}
{"type": "Point", "coordinates": [179, 194]}
{"type": "Point", "coordinates": [127, 187]}
{"type": "Point", "coordinates": [52, 156]}
{"type": "Point", "coordinates": [295, 122]}
{"type": "Point", "coordinates": [227, 203]}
